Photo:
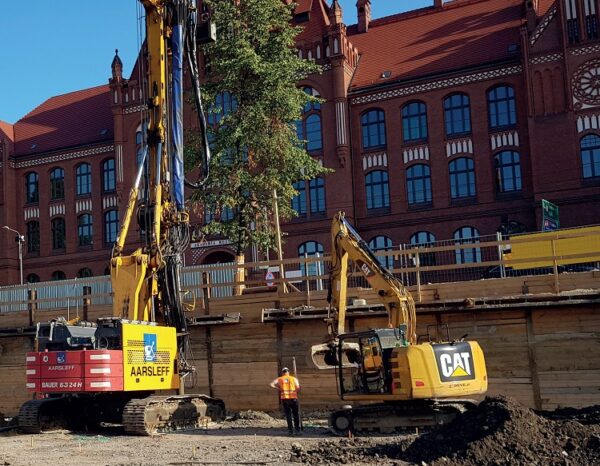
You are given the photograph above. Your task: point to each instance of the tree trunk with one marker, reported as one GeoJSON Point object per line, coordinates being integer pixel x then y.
{"type": "Point", "coordinates": [240, 275]}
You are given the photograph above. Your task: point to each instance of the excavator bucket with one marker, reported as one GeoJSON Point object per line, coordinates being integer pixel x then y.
{"type": "Point", "coordinates": [326, 356]}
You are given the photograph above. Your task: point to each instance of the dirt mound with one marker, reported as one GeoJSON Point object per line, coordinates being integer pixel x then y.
{"type": "Point", "coordinates": [498, 432]}
{"type": "Point", "coordinates": [501, 431]}
{"type": "Point", "coordinates": [250, 416]}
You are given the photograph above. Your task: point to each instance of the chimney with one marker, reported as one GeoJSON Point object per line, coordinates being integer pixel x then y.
{"type": "Point", "coordinates": [438, 3]}
{"type": "Point", "coordinates": [364, 15]}
{"type": "Point", "coordinates": [335, 13]}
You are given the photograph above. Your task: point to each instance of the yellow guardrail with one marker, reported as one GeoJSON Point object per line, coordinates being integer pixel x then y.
{"type": "Point", "coordinates": [563, 247]}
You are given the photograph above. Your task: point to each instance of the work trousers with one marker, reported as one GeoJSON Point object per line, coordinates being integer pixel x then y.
{"type": "Point", "coordinates": [290, 408]}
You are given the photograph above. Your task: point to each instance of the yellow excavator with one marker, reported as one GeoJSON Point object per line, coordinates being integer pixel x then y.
{"type": "Point", "coordinates": [398, 381]}
{"type": "Point", "coordinates": [130, 368]}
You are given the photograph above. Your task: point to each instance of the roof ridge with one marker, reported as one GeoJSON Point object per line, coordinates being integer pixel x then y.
{"type": "Point", "coordinates": [78, 91]}
{"type": "Point", "coordinates": [449, 5]}
{"type": "Point", "coordinates": [51, 98]}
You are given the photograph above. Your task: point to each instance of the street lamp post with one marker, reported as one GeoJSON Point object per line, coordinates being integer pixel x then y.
{"type": "Point", "coordinates": [19, 239]}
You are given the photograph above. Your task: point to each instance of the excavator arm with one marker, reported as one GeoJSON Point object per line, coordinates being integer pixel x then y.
{"type": "Point", "coordinates": [347, 245]}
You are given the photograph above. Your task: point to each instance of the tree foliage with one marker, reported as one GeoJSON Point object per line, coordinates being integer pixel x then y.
{"type": "Point", "coordinates": [252, 70]}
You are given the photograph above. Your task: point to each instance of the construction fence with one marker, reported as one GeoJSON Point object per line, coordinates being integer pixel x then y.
{"type": "Point", "coordinates": [467, 259]}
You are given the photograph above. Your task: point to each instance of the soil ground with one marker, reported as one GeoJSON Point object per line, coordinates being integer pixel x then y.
{"type": "Point", "coordinates": [499, 432]}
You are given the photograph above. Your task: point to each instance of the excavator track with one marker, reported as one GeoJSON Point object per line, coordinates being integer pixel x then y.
{"type": "Point", "coordinates": [36, 416]}
{"type": "Point", "coordinates": [393, 417]}
{"type": "Point", "coordinates": [161, 414]}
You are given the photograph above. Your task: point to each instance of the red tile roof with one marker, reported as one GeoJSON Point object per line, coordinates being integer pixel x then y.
{"type": "Point", "coordinates": [319, 20]}
{"type": "Point", "coordinates": [303, 6]}
{"type": "Point", "coordinates": [67, 120]}
{"type": "Point", "coordinates": [428, 41]}
{"type": "Point", "coordinates": [544, 6]}
{"type": "Point", "coordinates": [6, 130]}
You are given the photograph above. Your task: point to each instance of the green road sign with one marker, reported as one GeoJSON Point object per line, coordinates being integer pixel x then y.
{"type": "Point", "coordinates": [550, 219]}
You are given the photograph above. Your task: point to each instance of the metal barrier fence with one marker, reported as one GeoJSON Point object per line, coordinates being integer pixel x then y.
{"type": "Point", "coordinates": [485, 257]}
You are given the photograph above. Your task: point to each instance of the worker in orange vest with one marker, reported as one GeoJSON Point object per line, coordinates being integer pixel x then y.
{"type": "Point", "coordinates": [288, 387]}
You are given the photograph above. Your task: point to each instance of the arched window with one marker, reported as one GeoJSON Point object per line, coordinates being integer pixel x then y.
{"type": "Point", "coordinates": [58, 275]}
{"type": "Point", "coordinates": [378, 190]}
{"type": "Point", "coordinates": [299, 200]}
{"type": "Point", "coordinates": [84, 229]}
{"type": "Point", "coordinates": [33, 278]}
{"type": "Point", "coordinates": [309, 128]}
{"type": "Point", "coordinates": [317, 195]}
{"type": "Point", "coordinates": [373, 129]}
{"type": "Point", "coordinates": [462, 178]}
{"type": "Point", "coordinates": [83, 179]}
{"type": "Point", "coordinates": [310, 197]}
{"type": "Point", "coordinates": [58, 233]}
{"type": "Point", "coordinates": [457, 114]}
{"type": "Point", "coordinates": [109, 176]}
{"type": "Point", "coordinates": [590, 156]}
{"type": "Point", "coordinates": [423, 239]}
{"type": "Point", "coordinates": [508, 171]}
{"type": "Point", "coordinates": [467, 235]}
{"type": "Point", "coordinates": [227, 214]}
{"type": "Point", "coordinates": [311, 106]}
{"type": "Point", "coordinates": [33, 236]}
{"type": "Point", "coordinates": [111, 226]}
{"type": "Point", "coordinates": [502, 107]}
{"type": "Point", "coordinates": [225, 103]}
{"type": "Point", "coordinates": [382, 243]}
{"type": "Point", "coordinates": [32, 193]}
{"type": "Point", "coordinates": [418, 184]}
{"type": "Point", "coordinates": [85, 273]}
{"type": "Point", "coordinates": [314, 140]}
{"type": "Point", "coordinates": [57, 183]}
{"type": "Point", "coordinates": [311, 249]}
{"type": "Point", "coordinates": [414, 122]}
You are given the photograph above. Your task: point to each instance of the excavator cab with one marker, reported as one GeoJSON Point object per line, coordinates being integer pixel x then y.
{"type": "Point", "coordinates": [370, 361]}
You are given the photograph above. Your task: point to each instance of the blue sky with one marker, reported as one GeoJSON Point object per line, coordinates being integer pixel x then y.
{"type": "Point", "coordinates": [53, 47]}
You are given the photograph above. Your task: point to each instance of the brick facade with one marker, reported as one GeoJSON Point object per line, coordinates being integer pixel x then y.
{"type": "Point", "coordinates": [545, 51]}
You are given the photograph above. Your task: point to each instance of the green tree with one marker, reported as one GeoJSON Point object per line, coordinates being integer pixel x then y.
{"type": "Point", "coordinates": [252, 73]}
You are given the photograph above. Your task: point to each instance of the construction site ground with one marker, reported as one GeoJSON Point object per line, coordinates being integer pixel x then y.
{"type": "Point", "coordinates": [499, 432]}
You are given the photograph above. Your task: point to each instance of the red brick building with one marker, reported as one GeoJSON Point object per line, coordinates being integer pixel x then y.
{"type": "Point", "coordinates": [443, 122]}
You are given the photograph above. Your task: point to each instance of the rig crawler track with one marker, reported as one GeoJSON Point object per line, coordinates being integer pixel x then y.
{"type": "Point", "coordinates": [160, 414]}
{"type": "Point", "coordinates": [141, 416]}
{"type": "Point", "coordinates": [36, 416]}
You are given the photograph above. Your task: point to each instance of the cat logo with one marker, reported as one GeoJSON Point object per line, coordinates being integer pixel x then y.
{"type": "Point", "coordinates": [364, 268]}
{"type": "Point", "coordinates": [454, 362]}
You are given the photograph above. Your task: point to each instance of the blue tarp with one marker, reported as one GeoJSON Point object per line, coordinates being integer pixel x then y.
{"type": "Point", "coordinates": [177, 116]}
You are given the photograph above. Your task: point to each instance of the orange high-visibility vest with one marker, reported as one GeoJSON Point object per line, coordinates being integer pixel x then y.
{"type": "Point", "coordinates": [287, 387]}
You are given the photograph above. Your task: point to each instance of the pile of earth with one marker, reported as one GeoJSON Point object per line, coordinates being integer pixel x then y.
{"type": "Point", "coordinates": [249, 418]}
{"type": "Point", "coordinates": [250, 415]}
{"type": "Point", "coordinates": [498, 432]}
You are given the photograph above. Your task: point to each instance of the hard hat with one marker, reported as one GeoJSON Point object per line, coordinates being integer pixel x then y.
{"type": "Point", "coordinates": [285, 369]}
